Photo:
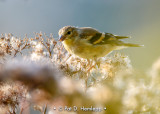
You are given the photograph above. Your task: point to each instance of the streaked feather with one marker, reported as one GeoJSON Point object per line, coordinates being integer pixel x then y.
{"type": "Point", "coordinates": [122, 37]}
{"type": "Point", "coordinates": [109, 38]}
{"type": "Point", "coordinates": [132, 45]}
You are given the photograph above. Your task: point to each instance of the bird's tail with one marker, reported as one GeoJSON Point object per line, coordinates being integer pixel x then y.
{"type": "Point", "coordinates": [126, 45]}
{"type": "Point", "coordinates": [132, 45]}
{"type": "Point", "coordinates": [122, 37]}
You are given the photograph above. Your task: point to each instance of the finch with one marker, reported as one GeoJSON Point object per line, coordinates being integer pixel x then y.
{"type": "Point", "coordinates": [89, 43]}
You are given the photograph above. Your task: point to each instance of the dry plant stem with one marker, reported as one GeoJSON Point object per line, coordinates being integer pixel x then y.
{"type": "Point", "coordinates": [89, 63]}
{"type": "Point", "coordinates": [21, 111]}
{"type": "Point", "coordinates": [24, 46]}
{"type": "Point", "coordinates": [45, 110]}
{"type": "Point", "coordinates": [19, 50]}
{"type": "Point", "coordinates": [86, 79]}
{"type": "Point", "coordinates": [12, 112]}
{"type": "Point", "coordinates": [16, 51]}
{"type": "Point", "coordinates": [93, 66]}
{"type": "Point", "coordinates": [51, 50]}
{"type": "Point", "coordinates": [48, 49]}
{"type": "Point", "coordinates": [53, 47]}
{"type": "Point", "coordinates": [50, 53]}
{"type": "Point", "coordinates": [66, 59]}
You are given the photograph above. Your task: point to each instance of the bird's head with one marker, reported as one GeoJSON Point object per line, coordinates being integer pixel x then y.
{"type": "Point", "coordinates": [67, 32]}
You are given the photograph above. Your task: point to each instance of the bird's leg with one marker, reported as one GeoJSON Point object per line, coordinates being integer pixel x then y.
{"type": "Point", "coordinates": [67, 58]}
{"type": "Point", "coordinates": [92, 64]}
{"type": "Point", "coordinates": [97, 62]}
{"type": "Point", "coordinates": [90, 68]}
{"type": "Point", "coordinates": [64, 61]}
{"type": "Point", "coordinates": [88, 63]}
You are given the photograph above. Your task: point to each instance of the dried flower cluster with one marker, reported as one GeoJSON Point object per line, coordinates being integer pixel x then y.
{"type": "Point", "coordinates": [38, 72]}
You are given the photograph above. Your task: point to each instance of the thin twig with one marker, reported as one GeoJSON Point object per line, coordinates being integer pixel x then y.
{"type": "Point", "coordinates": [45, 109]}
{"type": "Point", "coordinates": [21, 111]}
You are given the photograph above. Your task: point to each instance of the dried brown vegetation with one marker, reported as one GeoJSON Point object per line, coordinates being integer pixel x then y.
{"type": "Point", "coordinates": [38, 72]}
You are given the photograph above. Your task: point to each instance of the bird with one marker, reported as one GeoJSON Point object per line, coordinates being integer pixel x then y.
{"type": "Point", "coordinates": [89, 43]}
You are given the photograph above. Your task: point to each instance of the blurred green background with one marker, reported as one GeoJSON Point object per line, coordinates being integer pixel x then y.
{"type": "Point", "coordinates": [139, 19]}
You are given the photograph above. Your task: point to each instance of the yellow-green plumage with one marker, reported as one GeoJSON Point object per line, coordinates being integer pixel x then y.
{"type": "Point", "coordinates": [90, 43]}
{"type": "Point", "coordinates": [86, 50]}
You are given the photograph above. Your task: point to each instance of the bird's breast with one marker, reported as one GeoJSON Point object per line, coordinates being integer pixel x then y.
{"type": "Point", "coordinates": [84, 49]}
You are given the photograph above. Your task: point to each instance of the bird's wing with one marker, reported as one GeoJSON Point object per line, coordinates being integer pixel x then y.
{"type": "Point", "coordinates": [88, 33]}
{"type": "Point", "coordinates": [97, 38]}
{"type": "Point", "coordinates": [92, 35]}
{"type": "Point", "coordinates": [108, 38]}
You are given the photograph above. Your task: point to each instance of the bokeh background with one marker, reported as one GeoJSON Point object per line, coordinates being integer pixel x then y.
{"type": "Point", "coordinates": [139, 19]}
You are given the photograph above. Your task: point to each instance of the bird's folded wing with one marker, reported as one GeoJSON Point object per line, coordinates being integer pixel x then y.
{"type": "Point", "coordinates": [96, 38]}
{"type": "Point", "coordinates": [103, 38]}
{"type": "Point", "coordinates": [87, 32]}
{"type": "Point", "coordinates": [108, 38]}
{"type": "Point", "coordinates": [92, 35]}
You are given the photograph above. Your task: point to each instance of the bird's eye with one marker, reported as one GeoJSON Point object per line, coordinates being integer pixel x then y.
{"type": "Point", "coordinates": [69, 32]}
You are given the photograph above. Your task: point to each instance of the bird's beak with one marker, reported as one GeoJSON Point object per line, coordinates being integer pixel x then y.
{"type": "Point", "coordinates": [62, 38]}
